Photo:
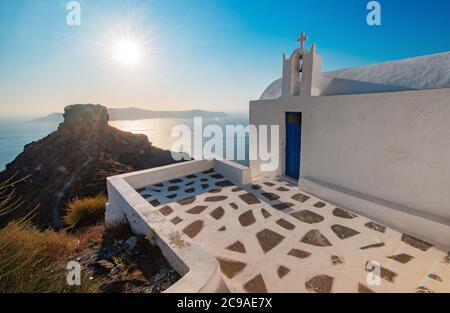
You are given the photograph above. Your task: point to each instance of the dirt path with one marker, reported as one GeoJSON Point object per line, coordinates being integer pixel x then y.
{"type": "Point", "coordinates": [56, 220]}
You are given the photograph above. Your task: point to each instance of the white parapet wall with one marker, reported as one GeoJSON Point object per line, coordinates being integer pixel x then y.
{"type": "Point", "coordinates": [200, 271]}
{"type": "Point", "coordinates": [238, 174]}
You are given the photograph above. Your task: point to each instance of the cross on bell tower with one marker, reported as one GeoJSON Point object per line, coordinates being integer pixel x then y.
{"type": "Point", "coordinates": [302, 73]}
{"type": "Point", "coordinates": [302, 39]}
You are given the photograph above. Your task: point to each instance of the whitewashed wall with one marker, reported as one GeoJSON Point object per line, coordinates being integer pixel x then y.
{"type": "Point", "coordinates": [394, 147]}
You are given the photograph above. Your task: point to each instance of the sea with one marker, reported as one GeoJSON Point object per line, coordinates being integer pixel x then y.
{"type": "Point", "coordinates": [15, 133]}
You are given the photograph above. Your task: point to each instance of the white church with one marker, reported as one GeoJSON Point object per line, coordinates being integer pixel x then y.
{"type": "Point", "coordinates": [375, 139]}
{"type": "Point", "coordinates": [363, 179]}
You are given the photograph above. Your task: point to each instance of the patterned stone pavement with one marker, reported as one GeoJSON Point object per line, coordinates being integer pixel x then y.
{"type": "Point", "coordinates": [269, 237]}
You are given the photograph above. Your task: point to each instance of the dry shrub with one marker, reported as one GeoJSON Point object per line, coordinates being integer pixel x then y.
{"type": "Point", "coordinates": [85, 211]}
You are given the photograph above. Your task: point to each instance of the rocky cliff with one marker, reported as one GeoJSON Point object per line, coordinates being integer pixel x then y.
{"type": "Point", "coordinates": [74, 161]}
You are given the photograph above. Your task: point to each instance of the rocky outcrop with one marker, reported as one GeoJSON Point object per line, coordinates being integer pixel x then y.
{"type": "Point", "coordinates": [74, 161]}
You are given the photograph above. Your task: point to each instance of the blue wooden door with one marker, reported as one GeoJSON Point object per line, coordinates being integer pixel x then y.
{"type": "Point", "coordinates": [293, 143]}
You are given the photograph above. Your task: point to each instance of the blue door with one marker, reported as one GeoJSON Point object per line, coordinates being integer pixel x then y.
{"type": "Point", "coordinates": [293, 143]}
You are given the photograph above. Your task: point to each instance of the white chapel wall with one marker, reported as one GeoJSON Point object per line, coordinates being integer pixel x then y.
{"type": "Point", "coordinates": [390, 146]}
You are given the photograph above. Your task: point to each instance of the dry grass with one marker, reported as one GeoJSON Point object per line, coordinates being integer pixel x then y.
{"type": "Point", "coordinates": [86, 211]}
{"type": "Point", "coordinates": [35, 261]}
{"type": "Point", "coordinates": [32, 260]}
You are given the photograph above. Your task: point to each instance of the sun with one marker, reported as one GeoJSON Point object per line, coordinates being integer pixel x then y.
{"type": "Point", "coordinates": [127, 52]}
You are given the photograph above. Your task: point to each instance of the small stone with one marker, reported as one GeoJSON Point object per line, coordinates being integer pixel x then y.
{"type": "Point", "coordinates": [402, 258]}
{"type": "Point", "coordinates": [131, 243]}
{"type": "Point", "coordinates": [166, 210]}
{"type": "Point", "coordinates": [230, 267]}
{"type": "Point", "coordinates": [155, 202]}
{"type": "Point", "coordinates": [247, 218]}
{"type": "Point", "coordinates": [335, 260]}
{"type": "Point", "coordinates": [237, 247]}
{"type": "Point", "coordinates": [343, 213]}
{"type": "Point", "coordinates": [285, 224]}
{"type": "Point", "coordinates": [376, 227]}
{"type": "Point", "coordinates": [375, 245]}
{"type": "Point", "coordinates": [315, 238]}
{"type": "Point", "coordinates": [416, 243]}
{"type": "Point", "coordinates": [268, 239]}
{"type": "Point", "coordinates": [224, 183]}
{"type": "Point", "coordinates": [282, 206]}
{"type": "Point", "coordinates": [249, 198]}
{"type": "Point", "coordinates": [364, 289]}
{"type": "Point", "coordinates": [218, 213]}
{"type": "Point", "coordinates": [256, 285]}
{"type": "Point", "coordinates": [446, 259]}
{"type": "Point", "coordinates": [176, 220]}
{"type": "Point", "coordinates": [320, 284]}
{"type": "Point", "coordinates": [435, 277]}
{"type": "Point", "coordinates": [299, 253]}
{"type": "Point", "coordinates": [197, 209]}
{"type": "Point", "coordinates": [282, 271]}
{"type": "Point", "coordinates": [186, 201]}
{"type": "Point", "coordinates": [343, 232]}
{"type": "Point", "coordinates": [319, 204]}
{"type": "Point", "coordinates": [193, 229]}
{"type": "Point", "coordinates": [307, 216]}
{"type": "Point", "coordinates": [423, 289]}
{"type": "Point", "coordinates": [270, 196]}
{"type": "Point", "coordinates": [165, 285]}
{"type": "Point", "coordinates": [215, 198]}
{"type": "Point", "coordinates": [265, 214]}
{"type": "Point", "coordinates": [138, 275]}
{"type": "Point", "coordinates": [300, 197]}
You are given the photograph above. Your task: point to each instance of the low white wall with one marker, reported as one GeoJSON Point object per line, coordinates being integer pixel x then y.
{"type": "Point", "coordinates": [389, 146]}
{"type": "Point", "coordinates": [238, 174]}
{"type": "Point", "coordinates": [200, 271]}
{"type": "Point", "coordinates": [156, 175]}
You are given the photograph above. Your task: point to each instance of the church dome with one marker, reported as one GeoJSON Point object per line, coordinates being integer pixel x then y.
{"type": "Point", "coordinates": [273, 91]}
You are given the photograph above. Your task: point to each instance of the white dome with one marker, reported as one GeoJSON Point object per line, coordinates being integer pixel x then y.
{"type": "Point", "coordinates": [273, 91]}
{"type": "Point", "coordinates": [424, 72]}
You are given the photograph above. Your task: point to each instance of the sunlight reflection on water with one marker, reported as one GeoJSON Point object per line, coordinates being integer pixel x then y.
{"type": "Point", "coordinates": [159, 130]}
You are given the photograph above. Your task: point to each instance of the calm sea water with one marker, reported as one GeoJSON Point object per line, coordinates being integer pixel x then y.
{"type": "Point", "coordinates": [15, 133]}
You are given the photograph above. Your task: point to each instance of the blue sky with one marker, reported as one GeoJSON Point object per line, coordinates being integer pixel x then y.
{"type": "Point", "coordinates": [208, 54]}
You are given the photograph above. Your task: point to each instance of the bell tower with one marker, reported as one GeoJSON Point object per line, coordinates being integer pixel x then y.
{"type": "Point", "coordinates": [302, 71]}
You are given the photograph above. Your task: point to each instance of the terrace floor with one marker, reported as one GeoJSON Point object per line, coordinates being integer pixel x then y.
{"type": "Point", "coordinates": [269, 237]}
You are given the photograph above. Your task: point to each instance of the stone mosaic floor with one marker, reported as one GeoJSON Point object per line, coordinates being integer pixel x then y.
{"type": "Point", "coordinates": [269, 237]}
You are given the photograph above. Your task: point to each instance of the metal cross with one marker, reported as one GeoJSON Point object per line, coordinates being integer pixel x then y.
{"type": "Point", "coordinates": [303, 37]}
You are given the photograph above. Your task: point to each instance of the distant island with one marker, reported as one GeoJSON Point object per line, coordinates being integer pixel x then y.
{"type": "Point", "coordinates": [131, 114]}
